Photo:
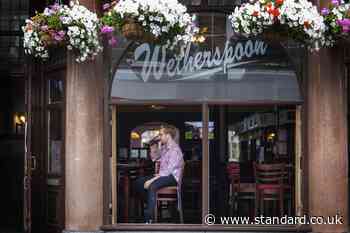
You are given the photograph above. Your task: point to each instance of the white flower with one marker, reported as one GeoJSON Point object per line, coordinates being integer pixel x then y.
{"type": "Point", "coordinates": [141, 17]}
{"type": "Point", "coordinates": [163, 15]}
{"type": "Point", "coordinates": [79, 37]}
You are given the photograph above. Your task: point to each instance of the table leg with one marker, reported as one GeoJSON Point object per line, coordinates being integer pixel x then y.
{"type": "Point", "coordinates": [126, 192]}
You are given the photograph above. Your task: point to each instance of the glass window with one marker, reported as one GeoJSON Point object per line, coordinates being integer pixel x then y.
{"type": "Point", "coordinates": [55, 91]}
{"type": "Point", "coordinates": [222, 68]}
{"type": "Point", "coordinates": [253, 153]}
{"type": "Point", "coordinates": [55, 142]}
{"type": "Point", "coordinates": [137, 128]}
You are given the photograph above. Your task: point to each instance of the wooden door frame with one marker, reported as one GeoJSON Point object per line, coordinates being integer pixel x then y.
{"type": "Point", "coordinates": [27, 208]}
{"type": "Point", "coordinates": [61, 107]}
{"type": "Point", "coordinates": [32, 170]}
{"type": "Point", "coordinates": [41, 85]}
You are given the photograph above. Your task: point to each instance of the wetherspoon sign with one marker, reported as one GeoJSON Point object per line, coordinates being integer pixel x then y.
{"type": "Point", "coordinates": [159, 65]}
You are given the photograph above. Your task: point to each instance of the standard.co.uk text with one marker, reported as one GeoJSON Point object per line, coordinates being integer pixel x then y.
{"type": "Point", "coordinates": [211, 219]}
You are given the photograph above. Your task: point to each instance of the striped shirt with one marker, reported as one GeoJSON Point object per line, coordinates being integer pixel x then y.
{"type": "Point", "coordinates": [171, 161]}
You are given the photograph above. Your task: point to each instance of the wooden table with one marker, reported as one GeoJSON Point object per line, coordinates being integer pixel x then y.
{"type": "Point", "coordinates": [138, 169]}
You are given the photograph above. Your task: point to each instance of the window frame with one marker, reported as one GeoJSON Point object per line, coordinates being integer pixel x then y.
{"type": "Point", "coordinates": [204, 7]}
{"type": "Point", "coordinates": [205, 180]}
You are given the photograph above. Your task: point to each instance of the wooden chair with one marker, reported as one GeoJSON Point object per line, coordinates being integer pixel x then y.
{"type": "Point", "coordinates": [269, 185]}
{"type": "Point", "coordinates": [238, 192]}
{"type": "Point", "coordinates": [169, 194]}
{"type": "Point", "coordinates": [233, 172]}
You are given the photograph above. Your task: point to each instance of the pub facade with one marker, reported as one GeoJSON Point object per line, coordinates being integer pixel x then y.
{"type": "Point", "coordinates": [240, 107]}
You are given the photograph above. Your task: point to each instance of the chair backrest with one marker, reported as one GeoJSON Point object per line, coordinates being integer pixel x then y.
{"type": "Point", "coordinates": [269, 173]}
{"type": "Point", "coordinates": [233, 171]}
{"type": "Point", "coordinates": [182, 175]}
{"type": "Point", "coordinates": [156, 167]}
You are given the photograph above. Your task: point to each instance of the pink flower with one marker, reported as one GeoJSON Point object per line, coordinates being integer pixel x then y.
{"type": "Point", "coordinates": [345, 24]}
{"type": "Point", "coordinates": [107, 29]}
{"type": "Point", "coordinates": [57, 37]}
{"type": "Point", "coordinates": [112, 41]}
{"type": "Point", "coordinates": [106, 6]}
{"type": "Point", "coordinates": [55, 7]}
{"type": "Point", "coordinates": [44, 28]}
{"type": "Point", "coordinates": [335, 2]}
{"type": "Point", "coordinates": [325, 11]}
{"type": "Point", "coordinates": [48, 12]}
{"type": "Point", "coordinates": [62, 33]}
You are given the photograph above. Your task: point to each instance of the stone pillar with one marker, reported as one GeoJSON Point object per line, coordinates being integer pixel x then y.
{"type": "Point", "coordinates": [84, 143]}
{"type": "Point", "coordinates": [327, 151]}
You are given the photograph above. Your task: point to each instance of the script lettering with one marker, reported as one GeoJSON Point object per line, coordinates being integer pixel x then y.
{"type": "Point", "coordinates": [157, 64]}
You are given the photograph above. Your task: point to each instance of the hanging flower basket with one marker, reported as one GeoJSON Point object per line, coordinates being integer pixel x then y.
{"type": "Point", "coordinates": [298, 19]}
{"type": "Point", "coordinates": [274, 36]}
{"type": "Point", "coordinates": [155, 21]}
{"type": "Point", "coordinates": [337, 20]}
{"type": "Point", "coordinates": [73, 26]}
{"type": "Point", "coordinates": [132, 30]}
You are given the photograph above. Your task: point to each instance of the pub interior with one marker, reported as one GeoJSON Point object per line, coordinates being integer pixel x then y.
{"type": "Point", "coordinates": [251, 160]}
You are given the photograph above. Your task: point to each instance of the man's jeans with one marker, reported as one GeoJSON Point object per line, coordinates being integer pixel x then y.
{"type": "Point", "coordinates": [150, 193]}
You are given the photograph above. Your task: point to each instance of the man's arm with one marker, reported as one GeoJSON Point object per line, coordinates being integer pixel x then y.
{"type": "Point", "coordinates": [150, 181]}
{"type": "Point", "coordinates": [155, 152]}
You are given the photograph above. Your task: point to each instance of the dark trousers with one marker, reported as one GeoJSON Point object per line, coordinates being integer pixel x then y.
{"type": "Point", "coordinates": [150, 193]}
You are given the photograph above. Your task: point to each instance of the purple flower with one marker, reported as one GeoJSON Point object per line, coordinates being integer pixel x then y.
{"type": "Point", "coordinates": [345, 24]}
{"type": "Point", "coordinates": [107, 29]}
{"type": "Point", "coordinates": [106, 6]}
{"type": "Point", "coordinates": [48, 12]}
{"type": "Point", "coordinates": [55, 7]}
{"type": "Point", "coordinates": [44, 28]}
{"type": "Point", "coordinates": [112, 41]}
{"type": "Point", "coordinates": [325, 11]}
{"type": "Point", "coordinates": [335, 2]}
{"type": "Point", "coordinates": [57, 37]}
{"type": "Point", "coordinates": [63, 18]}
{"type": "Point", "coordinates": [61, 33]}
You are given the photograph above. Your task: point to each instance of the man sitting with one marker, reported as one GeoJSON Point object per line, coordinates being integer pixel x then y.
{"type": "Point", "coordinates": [171, 163]}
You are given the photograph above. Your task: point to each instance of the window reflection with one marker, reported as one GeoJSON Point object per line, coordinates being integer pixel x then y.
{"type": "Point", "coordinates": [137, 127]}
{"type": "Point", "coordinates": [55, 142]}
{"type": "Point", "coordinates": [245, 176]}
{"type": "Point", "coordinates": [55, 91]}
